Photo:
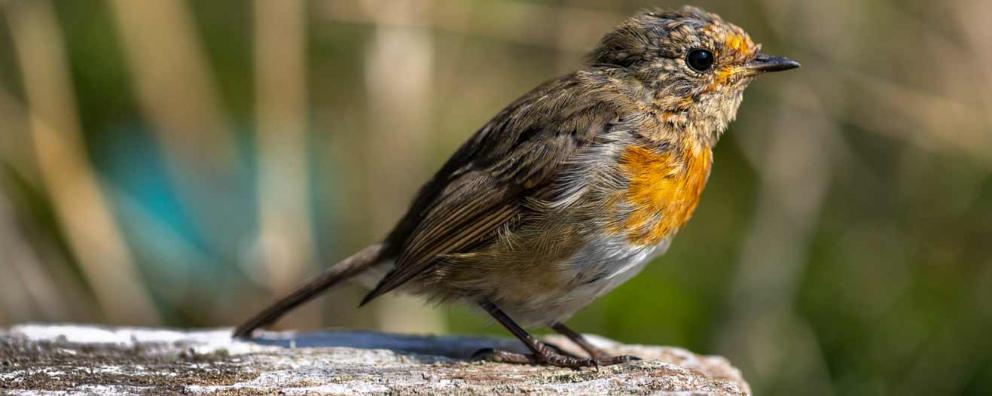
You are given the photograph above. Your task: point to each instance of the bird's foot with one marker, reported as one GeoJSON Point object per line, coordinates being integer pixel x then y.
{"type": "Point", "coordinates": [547, 357]}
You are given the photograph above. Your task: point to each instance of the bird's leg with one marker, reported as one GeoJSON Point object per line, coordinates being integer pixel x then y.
{"type": "Point", "coordinates": [600, 356]}
{"type": "Point", "coordinates": [541, 353]}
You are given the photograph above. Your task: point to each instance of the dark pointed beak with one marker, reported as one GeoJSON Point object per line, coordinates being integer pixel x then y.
{"type": "Point", "coordinates": [764, 63]}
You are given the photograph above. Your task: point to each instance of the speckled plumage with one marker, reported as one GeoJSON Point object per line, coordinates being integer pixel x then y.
{"type": "Point", "coordinates": [571, 189]}
{"type": "Point", "coordinates": [574, 186]}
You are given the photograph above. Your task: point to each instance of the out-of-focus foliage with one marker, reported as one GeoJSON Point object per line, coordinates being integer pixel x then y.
{"type": "Point", "coordinates": [183, 162]}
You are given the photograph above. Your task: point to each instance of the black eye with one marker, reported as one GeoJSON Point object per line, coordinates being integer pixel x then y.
{"type": "Point", "coordinates": [700, 59]}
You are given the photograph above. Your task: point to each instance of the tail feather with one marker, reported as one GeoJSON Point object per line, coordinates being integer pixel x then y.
{"type": "Point", "coordinates": [343, 270]}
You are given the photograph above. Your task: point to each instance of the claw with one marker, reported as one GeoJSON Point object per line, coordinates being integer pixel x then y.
{"type": "Point", "coordinates": [485, 354]}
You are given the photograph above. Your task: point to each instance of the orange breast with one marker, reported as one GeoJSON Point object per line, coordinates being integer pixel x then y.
{"type": "Point", "coordinates": [663, 189]}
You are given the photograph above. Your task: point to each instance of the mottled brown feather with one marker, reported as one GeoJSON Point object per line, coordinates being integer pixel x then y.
{"type": "Point", "coordinates": [485, 185]}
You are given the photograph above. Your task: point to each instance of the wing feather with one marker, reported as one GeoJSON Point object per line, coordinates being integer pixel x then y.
{"type": "Point", "coordinates": [486, 183]}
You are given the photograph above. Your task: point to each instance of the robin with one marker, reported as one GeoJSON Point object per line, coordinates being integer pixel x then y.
{"type": "Point", "coordinates": [570, 190]}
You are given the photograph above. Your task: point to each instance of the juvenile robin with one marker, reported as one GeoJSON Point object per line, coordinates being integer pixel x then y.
{"type": "Point", "coordinates": [570, 190]}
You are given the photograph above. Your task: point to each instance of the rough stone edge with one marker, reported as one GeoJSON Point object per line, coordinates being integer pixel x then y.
{"type": "Point", "coordinates": [678, 369]}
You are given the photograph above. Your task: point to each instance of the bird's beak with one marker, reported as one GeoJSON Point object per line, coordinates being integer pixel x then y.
{"type": "Point", "coordinates": [764, 63]}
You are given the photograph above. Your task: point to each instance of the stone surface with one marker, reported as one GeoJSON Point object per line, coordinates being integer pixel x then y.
{"type": "Point", "coordinates": [88, 359]}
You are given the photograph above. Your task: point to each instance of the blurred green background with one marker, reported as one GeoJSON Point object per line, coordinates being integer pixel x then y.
{"type": "Point", "coordinates": [181, 163]}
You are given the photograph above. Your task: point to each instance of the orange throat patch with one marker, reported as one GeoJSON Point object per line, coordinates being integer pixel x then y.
{"type": "Point", "coordinates": [663, 189]}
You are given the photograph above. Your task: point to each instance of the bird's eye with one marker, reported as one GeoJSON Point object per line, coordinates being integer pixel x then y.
{"type": "Point", "coordinates": [700, 59]}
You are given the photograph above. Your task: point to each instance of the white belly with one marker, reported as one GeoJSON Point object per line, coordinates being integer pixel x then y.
{"type": "Point", "coordinates": [594, 270]}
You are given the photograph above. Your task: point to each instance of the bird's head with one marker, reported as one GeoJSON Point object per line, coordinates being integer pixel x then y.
{"type": "Point", "coordinates": [692, 64]}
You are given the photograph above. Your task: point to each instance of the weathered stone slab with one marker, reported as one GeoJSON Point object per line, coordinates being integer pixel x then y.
{"type": "Point", "coordinates": [89, 359]}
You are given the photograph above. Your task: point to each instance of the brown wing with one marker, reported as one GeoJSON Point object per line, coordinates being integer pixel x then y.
{"type": "Point", "coordinates": [484, 185]}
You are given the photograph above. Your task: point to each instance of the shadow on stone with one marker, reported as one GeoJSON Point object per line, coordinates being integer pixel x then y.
{"type": "Point", "coordinates": [417, 346]}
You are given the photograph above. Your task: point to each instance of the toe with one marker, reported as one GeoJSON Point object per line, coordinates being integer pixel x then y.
{"type": "Point", "coordinates": [621, 359]}
{"type": "Point", "coordinates": [499, 356]}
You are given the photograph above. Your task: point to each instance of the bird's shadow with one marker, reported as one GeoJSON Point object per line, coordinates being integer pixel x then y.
{"type": "Point", "coordinates": [423, 348]}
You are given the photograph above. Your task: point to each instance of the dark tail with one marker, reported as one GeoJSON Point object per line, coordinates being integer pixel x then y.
{"type": "Point", "coordinates": [343, 270]}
